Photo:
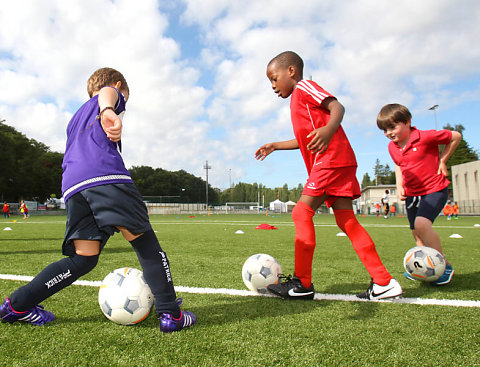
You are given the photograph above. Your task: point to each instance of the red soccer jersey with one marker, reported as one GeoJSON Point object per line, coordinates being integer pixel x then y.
{"type": "Point", "coordinates": [308, 114]}
{"type": "Point", "coordinates": [419, 161]}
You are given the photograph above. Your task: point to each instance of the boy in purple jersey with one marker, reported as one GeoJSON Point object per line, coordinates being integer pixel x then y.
{"type": "Point", "coordinates": [101, 199]}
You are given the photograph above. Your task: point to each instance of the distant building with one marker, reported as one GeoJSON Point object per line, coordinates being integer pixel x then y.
{"type": "Point", "coordinates": [466, 187]}
{"type": "Point", "coordinates": [372, 195]}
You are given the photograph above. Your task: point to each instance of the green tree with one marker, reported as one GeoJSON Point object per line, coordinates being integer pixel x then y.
{"type": "Point", "coordinates": [383, 174]}
{"type": "Point", "coordinates": [366, 181]}
{"type": "Point", "coordinates": [29, 170]}
{"type": "Point", "coordinates": [185, 187]}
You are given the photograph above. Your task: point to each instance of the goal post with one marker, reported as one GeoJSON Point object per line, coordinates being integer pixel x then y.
{"type": "Point", "coordinates": [243, 206]}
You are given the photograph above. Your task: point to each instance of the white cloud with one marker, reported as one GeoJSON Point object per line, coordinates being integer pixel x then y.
{"type": "Point", "coordinates": [219, 106]}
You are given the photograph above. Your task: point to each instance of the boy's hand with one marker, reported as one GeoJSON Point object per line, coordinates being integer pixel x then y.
{"type": "Point", "coordinates": [262, 152]}
{"type": "Point", "coordinates": [442, 169]}
{"type": "Point", "coordinates": [401, 193]}
{"type": "Point", "coordinates": [321, 139]}
{"type": "Point", "coordinates": [112, 125]}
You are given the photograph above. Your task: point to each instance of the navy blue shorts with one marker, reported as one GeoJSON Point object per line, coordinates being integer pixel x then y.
{"type": "Point", "coordinates": [94, 213]}
{"type": "Point", "coordinates": [428, 206]}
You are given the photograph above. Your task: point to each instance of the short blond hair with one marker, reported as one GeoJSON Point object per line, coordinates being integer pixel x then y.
{"type": "Point", "coordinates": [103, 77]}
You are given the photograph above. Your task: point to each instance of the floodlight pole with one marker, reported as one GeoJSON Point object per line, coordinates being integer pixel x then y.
{"type": "Point", "coordinates": [434, 108]}
{"type": "Point", "coordinates": [206, 167]}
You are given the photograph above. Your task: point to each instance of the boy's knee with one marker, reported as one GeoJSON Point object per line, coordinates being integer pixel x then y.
{"type": "Point", "coordinates": [302, 212]}
{"type": "Point", "coordinates": [302, 216]}
{"type": "Point", "coordinates": [129, 236]}
{"type": "Point", "coordinates": [422, 224]}
{"type": "Point", "coordinates": [345, 219]}
{"type": "Point", "coordinates": [84, 264]}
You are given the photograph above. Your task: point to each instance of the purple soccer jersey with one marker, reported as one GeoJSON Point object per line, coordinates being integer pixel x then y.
{"type": "Point", "coordinates": [91, 159]}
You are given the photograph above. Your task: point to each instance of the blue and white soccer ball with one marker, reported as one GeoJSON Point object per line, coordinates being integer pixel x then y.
{"type": "Point", "coordinates": [424, 263]}
{"type": "Point", "coordinates": [259, 271]}
{"type": "Point", "coordinates": [124, 296]}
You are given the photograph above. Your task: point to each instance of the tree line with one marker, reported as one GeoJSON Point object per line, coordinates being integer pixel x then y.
{"type": "Point", "coordinates": [29, 170]}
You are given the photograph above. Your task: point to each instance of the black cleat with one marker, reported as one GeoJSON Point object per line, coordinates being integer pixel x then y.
{"type": "Point", "coordinates": [291, 288]}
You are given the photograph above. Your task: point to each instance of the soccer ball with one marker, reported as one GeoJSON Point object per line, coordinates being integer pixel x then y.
{"type": "Point", "coordinates": [125, 297]}
{"type": "Point", "coordinates": [259, 271]}
{"type": "Point", "coordinates": [424, 263]}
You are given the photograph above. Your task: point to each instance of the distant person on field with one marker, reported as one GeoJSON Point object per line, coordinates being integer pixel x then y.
{"type": "Point", "coordinates": [331, 165]}
{"type": "Point", "coordinates": [420, 172]}
{"type": "Point", "coordinates": [455, 210]}
{"type": "Point", "coordinates": [24, 209]}
{"type": "Point", "coordinates": [386, 205]}
{"type": "Point", "coordinates": [101, 199]}
{"type": "Point", "coordinates": [6, 210]}
{"type": "Point", "coordinates": [393, 210]}
{"type": "Point", "coordinates": [448, 210]}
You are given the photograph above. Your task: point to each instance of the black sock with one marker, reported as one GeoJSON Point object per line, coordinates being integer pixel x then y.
{"type": "Point", "coordinates": [52, 279]}
{"type": "Point", "coordinates": [156, 271]}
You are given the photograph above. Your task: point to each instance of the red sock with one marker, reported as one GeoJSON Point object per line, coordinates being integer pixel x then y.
{"type": "Point", "coordinates": [363, 245]}
{"type": "Point", "coordinates": [305, 243]}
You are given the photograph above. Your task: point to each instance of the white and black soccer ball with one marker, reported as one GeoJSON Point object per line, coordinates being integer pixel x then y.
{"type": "Point", "coordinates": [124, 296]}
{"type": "Point", "coordinates": [259, 271]}
{"type": "Point", "coordinates": [424, 263]}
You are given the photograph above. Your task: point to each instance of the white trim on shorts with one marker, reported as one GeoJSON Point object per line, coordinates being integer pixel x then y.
{"type": "Point", "coordinates": [97, 179]}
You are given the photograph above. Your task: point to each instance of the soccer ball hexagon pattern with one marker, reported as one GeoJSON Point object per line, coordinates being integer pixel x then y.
{"type": "Point", "coordinates": [125, 297]}
{"type": "Point", "coordinates": [424, 263]}
{"type": "Point", "coordinates": [259, 271]}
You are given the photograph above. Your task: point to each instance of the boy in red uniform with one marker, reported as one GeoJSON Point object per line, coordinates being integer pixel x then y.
{"type": "Point", "coordinates": [420, 174]}
{"type": "Point", "coordinates": [455, 210]}
{"type": "Point", "coordinates": [447, 210]}
{"type": "Point", "coordinates": [393, 210]}
{"type": "Point", "coordinates": [331, 165]}
{"type": "Point", "coordinates": [6, 210]}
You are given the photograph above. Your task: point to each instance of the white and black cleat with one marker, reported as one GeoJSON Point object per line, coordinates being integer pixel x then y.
{"type": "Point", "coordinates": [375, 292]}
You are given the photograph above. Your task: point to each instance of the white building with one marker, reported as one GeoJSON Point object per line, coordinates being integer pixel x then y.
{"type": "Point", "coordinates": [372, 195]}
{"type": "Point", "coordinates": [466, 187]}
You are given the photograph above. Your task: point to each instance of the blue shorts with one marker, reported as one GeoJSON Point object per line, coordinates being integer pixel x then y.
{"type": "Point", "coordinates": [94, 213]}
{"type": "Point", "coordinates": [428, 206]}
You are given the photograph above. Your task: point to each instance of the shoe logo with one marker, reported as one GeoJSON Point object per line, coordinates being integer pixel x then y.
{"type": "Point", "coordinates": [292, 293]}
{"type": "Point", "coordinates": [379, 294]}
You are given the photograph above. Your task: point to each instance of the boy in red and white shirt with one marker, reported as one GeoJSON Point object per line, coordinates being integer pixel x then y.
{"type": "Point", "coordinates": [420, 174]}
{"type": "Point", "coordinates": [331, 165]}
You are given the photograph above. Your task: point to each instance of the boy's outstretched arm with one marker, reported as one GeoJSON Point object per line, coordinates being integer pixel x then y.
{"type": "Point", "coordinates": [111, 123]}
{"type": "Point", "coordinates": [321, 137]}
{"type": "Point", "coordinates": [448, 151]}
{"type": "Point", "coordinates": [262, 152]}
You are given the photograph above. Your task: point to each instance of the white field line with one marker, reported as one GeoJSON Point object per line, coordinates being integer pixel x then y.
{"type": "Point", "coordinates": [318, 296]}
{"type": "Point", "coordinates": [255, 223]}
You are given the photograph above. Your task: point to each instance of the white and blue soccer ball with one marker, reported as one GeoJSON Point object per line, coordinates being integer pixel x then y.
{"type": "Point", "coordinates": [124, 296]}
{"type": "Point", "coordinates": [259, 271]}
{"type": "Point", "coordinates": [424, 263]}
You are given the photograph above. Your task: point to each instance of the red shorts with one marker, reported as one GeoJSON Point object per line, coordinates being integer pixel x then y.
{"type": "Point", "coordinates": [334, 183]}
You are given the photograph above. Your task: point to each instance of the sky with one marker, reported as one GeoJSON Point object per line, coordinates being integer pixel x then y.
{"type": "Point", "coordinates": [196, 72]}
